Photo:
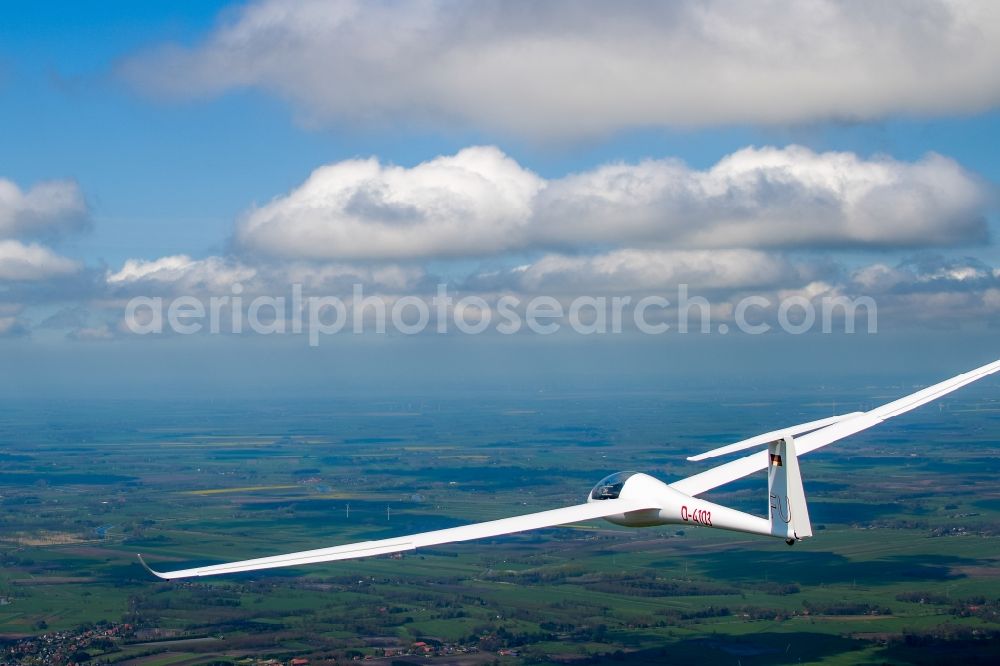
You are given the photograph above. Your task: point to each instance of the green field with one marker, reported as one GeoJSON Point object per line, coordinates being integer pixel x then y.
{"type": "Point", "coordinates": [904, 567]}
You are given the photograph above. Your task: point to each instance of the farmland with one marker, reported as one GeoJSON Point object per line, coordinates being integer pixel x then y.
{"type": "Point", "coordinates": [904, 567]}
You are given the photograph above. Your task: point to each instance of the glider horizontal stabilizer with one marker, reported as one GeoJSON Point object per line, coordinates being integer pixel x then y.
{"type": "Point", "coordinates": [773, 436]}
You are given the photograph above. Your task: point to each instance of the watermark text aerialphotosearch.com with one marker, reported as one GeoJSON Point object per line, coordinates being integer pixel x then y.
{"type": "Point", "coordinates": [656, 314]}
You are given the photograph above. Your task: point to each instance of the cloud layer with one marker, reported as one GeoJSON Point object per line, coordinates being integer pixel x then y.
{"type": "Point", "coordinates": [762, 221]}
{"type": "Point", "coordinates": [924, 290]}
{"type": "Point", "coordinates": [480, 202]}
{"type": "Point", "coordinates": [569, 68]}
{"type": "Point", "coordinates": [50, 207]}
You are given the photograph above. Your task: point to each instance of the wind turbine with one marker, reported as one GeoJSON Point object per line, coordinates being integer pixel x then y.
{"type": "Point", "coordinates": [639, 500]}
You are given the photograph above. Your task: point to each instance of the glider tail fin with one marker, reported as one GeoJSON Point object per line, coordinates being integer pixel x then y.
{"type": "Point", "coordinates": [787, 508]}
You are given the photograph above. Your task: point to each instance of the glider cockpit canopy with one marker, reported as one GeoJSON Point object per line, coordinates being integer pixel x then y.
{"type": "Point", "coordinates": [610, 487]}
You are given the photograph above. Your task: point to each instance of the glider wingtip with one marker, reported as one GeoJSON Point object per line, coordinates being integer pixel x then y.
{"type": "Point", "coordinates": [149, 569]}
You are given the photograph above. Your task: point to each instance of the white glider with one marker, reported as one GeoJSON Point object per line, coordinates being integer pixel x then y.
{"type": "Point", "coordinates": [638, 500]}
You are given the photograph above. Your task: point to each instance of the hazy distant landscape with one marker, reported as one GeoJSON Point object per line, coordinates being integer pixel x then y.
{"type": "Point", "coordinates": [904, 567]}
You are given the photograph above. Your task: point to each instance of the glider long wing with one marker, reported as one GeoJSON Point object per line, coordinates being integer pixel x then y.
{"type": "Point", "coordinates": [737, 469]}
{"type": "Point", "coordinates": [531, 521]}
{"type": "Point", "coordinates": [838, 428]}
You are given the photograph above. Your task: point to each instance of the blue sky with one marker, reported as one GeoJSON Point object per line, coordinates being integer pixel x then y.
{"type": "Point", "coordinates": [190, 130]}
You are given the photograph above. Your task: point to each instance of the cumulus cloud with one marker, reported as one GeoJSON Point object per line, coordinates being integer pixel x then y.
{"type": "Point", "coordinates": [568, 68]}
{"type": "Point", "coordinates": [771, 197]}
{"type": "Point", "coordinates": [46, 208]}
{"type": "Point", "coordinates": [31, 272]}
{"type": "Point", "coordinates": [926, 274]}
{"type": "Point", "coordinates": [341, 278]}
{"type": "Point", "coordinates": [631, 270]}
{"type": "Point", "coordinates": [453, 205]}
{"type": "Point", "coordinates": [932, 290]}
{"type": "Point", "coordinates": [181, 273]}
{"type": "Point", "coordinates": [216, 275]}
{"type": "Point", "coordinates": [20, 262]}
{"type": "Point", "coordinates": [481, 202]}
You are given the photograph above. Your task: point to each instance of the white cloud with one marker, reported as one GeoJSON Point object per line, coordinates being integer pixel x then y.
{"type": "Point", "coordinates": [477, 201]}
{"type": "Point", "coordinates": [810, 292]}
{"type": "Point", "coordinates": [649, 270]}
{"type": "Point", "coordinates": [20, 262]}
{"type": "Point", "coordinates": [926, 274]}
{"type": "Point", "coordinates": [770, 197]}
{"type": "Point", "coordinates": [182, 273]}
{"type": "Point", "coordinates": [931, 290]}
{"type": "Point", "coordinates": [880, 278]}
{"type": "Point", "coordinates": [45, 208]}
{"type": "Point", "coordinates": [216, 275]}
{"type": "Point", "coordinates": [481, 202]}
{"type": "Point", "coordinates": [569, 68]}
{"type": "Point", "coordinates": [341, 278]}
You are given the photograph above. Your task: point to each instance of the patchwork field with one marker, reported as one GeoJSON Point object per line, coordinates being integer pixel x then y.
{"type": "Point", "coordinates": [904, 567]}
